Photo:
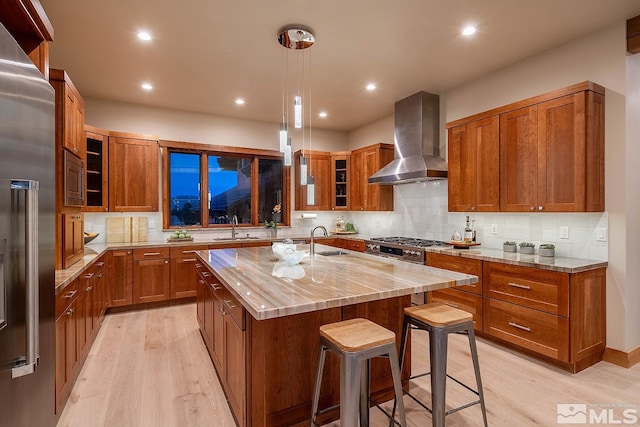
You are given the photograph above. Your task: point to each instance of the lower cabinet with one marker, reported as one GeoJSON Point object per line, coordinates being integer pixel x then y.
{"type": "Point", "coordinates": [151, 275]}
{"type": "Point", "coordinates": [467, 298]}
{"type": "Point", "coordinates": [120, 277]}
{"type": "Point", "coordinates": [66, 343]}
{"type": "Point", "coordinates": [222, 324]}
{"type": "Point", "coordinates": [183, 271]}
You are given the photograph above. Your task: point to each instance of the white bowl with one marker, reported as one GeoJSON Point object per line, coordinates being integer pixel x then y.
{"type": "Point", "coordinates": [279, 248]}
{"type": "Point", "coordinates": [293, 257]}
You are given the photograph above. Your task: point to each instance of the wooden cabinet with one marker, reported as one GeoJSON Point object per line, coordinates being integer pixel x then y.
{"type": "Point", "coordinates": [553, 314]}
{"type": "Point", "coordinates": [133, 173]}
{"type": "Point", "coordinates": [353, 244]}
{"type": "Point", "coordinates": [234, 355]}
{"type": "Point", "coordinates": [66, 343]}
{"type": "Point", "coordinates": [364, 163]}
{"type": "Point", "coordinates": [319, 165]}
{"type": "Point", "coordinates": [467, 297]}
{"type": "Point", "coordinates": [120, 277]}
{"type": "Point", "coordinates": [69, 113]}
{"type": "Point", "coordinates": [101, 295]}
{"type": "Point", "coordinates": [151, 274]}
{"type": "Point", "coordinates": [474, 179]}
{"type": "Point", "coordinates": [97, 170]}
{"type": "Point", "coordinates": [551, 155]}
{"type": "Point", "coordinates": [73, 238]}
{"type": "Point", "coordinates": [184, 277]}
{"type": "Point", "coordinates": [340, 177]}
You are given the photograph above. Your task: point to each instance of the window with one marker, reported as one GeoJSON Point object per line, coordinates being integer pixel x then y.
{"type": "Point", "coordinates": [207, 188]}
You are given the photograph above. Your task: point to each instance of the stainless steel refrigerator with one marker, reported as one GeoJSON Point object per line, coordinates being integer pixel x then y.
{"type": "Point", "coordinates": [27, 239]}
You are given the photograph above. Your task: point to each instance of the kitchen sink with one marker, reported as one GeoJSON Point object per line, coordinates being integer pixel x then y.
{"type": "Point", "coordinates": [235, 238]}
{"type": "Point", "coordinates": [332, 253]}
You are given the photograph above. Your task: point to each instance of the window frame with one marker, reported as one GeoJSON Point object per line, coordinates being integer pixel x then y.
{"type": "Point", "coordinates": [205, 150]}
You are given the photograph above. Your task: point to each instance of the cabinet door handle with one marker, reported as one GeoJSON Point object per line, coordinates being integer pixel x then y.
{"type": "Point", "coordinates": [100, 264]}
{"type": "Point", "coordinates": [216, 287]}
{"type": "Point", "coordinates": [189, 260]}
{"type": "Point", "coordinates": [201, 281]}
{"type": "Point", "coordinates": [198, 265]}
{"type": "Point", "coordinates": [519, 286]}
{"type": "Point", "coordinates": [89, 288]}
{"type": "Point", "coordinates": [230, 306]}
{"type": "Point", "coordinates": [70, 295]}
{"type": "Point", "coordinates": [523, 328]}
{"type": "Point", "coordinates": [451, 305]}
{"type": "Point", "coordinates": [206, 274]}
{"type": "Point", "coordinates": [70, 312]}
{"type": "Point", "coordinates": [88, 276]}
{"type": "Point", "coordinates": [189, 252]}
{"type": "Point", "coordinates": [532, 208]}
{"type": "Point", "coordinates": [151, 253]}
{"type": "Point", "coordinates": [540, 208]}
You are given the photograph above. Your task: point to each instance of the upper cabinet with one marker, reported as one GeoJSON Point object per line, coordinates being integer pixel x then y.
{"type": "Point", "coordinates": [364, 163]}
{"type": "Point", "coordinates": [473, 179]}
{"type": "Point", "coordinates": [97, 171]}
{"type": "Point", "coordinates": [133, 173]}
{"type": "Point", "coordinates": [69, 113]}
{"type": "Point", "coordinates": [341, 179]}
{"type": "Point", "coordinates": [318, 165]}
{"type": "Point", "coordinates": [551, 155]}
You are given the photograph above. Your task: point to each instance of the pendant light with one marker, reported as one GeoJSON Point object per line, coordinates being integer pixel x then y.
{"type": "Point", "coordinates": [297, 38]}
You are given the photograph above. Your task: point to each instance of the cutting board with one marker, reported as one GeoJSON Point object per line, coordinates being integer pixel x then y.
{"type": "Point", "coordinates": [139, 229]}
{"type": "Point", "coordinates": [118, 230]}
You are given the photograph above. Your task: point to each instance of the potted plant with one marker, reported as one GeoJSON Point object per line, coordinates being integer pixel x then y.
{"type": "Point", "coordinates": [509, 246]}
{"type": "Point", "coordinates": [547, 249]}
{"type": "Point", "coordinates": [272, 226]}
{"type": "Point", "coordinates": [526, 247]}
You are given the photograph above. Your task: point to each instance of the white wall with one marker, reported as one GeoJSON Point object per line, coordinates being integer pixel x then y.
{"type": "Point", "coordinates": [197, 127]}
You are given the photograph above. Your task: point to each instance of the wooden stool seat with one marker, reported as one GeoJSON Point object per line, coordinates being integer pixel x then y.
{"type": "Point", "coordinates": [438, 315]}
{"type": "Point", "coordinates": [357, 334]}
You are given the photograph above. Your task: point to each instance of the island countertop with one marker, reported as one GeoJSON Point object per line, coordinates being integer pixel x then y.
{"type": "Point", "coordinates": [269, 289]}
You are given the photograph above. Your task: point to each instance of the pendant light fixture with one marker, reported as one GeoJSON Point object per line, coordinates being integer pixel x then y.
{"type": "Point", "coordinates": [296, 38]}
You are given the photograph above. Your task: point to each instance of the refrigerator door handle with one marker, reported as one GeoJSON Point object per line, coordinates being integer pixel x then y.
{"type": "Point", "coordinates": [32, 292]}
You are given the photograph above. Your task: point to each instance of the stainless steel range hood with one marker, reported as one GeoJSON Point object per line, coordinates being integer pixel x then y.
{"type": "Point", "coordinates": [417, 143]}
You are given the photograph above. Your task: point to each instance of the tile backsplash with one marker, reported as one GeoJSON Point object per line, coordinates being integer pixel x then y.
{"type": "Point", "coordinates": [421, 211]}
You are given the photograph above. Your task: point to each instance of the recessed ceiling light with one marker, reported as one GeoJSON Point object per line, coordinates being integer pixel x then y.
{"type": "Point", "coordinates": [144, 35]}
{"type": "Point", "coordinates": [371, 86]}
{"type": "Point", "coordinates": [239, 101]}
{"type": "Point", "coordinates": [146, 86]}
{"type": "Point", "coordinates": [322, 114]}
{"type": "Point", "coordinates": [469, 30]}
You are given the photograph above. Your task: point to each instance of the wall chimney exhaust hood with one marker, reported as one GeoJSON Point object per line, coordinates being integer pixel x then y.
{"type": "Point", "coordinates": [417, 143]}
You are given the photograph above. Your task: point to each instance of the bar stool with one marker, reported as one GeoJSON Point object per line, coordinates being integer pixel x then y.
{"type": "Point", "coordinates": [440, 320]}
{"type": "Point", "coordinates": [355, 342]}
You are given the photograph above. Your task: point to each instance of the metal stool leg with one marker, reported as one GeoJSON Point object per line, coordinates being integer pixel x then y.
{"type": "Point", "coordinates": [349, 390]}
{"type": "Point", "coordinates": [364, 393]}
{"type": "Point", "coordinates": [476, 368]}
{"type": "Point", "coordinates": [316, 392]}
{"type": "Point", "coordinates": [438, 351]}
{"type": "Point", "coordinates": [397, 384]}
{"type": "Point", "coordinates": [403, 347]}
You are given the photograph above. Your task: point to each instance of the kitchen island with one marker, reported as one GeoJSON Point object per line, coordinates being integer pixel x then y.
{"type": "Point", "coordinates": [259, 319]}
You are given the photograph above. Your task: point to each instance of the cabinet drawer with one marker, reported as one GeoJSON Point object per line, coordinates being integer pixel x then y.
{"type": "Point", "coordinates": [538, 289]}
{"type": "Point", "coordinates": [460, 265]}
{"type": "Point", "coordinates": [471, 303]}
{"type": "Point", "coordinates": [354, 245]}
{"type": "Point", "coordinates": [150, 253]}
{"type": "Point", "coordinates": [66, 296]}
{"type": "Point", "coordinates": [187, 251]}
{"type": "Point", "coordinates": [233, 307]}
{"type": "Point", "coordinates": [535, 330]}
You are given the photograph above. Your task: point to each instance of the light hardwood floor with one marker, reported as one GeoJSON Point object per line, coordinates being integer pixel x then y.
{"type": "Point", "coordinates": [150, 368]}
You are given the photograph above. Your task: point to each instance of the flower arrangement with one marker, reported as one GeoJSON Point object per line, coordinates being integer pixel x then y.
{"type": "Point", "coordinates": [275, 217]}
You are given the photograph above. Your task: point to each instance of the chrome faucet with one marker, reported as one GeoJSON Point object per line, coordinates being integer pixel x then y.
{"type": "Point", "coordinates": [312, 251]}
{"type": "Point", "coordinates": [234, 222]}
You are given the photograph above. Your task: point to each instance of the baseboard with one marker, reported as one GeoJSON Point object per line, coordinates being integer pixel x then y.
{"type": "Point", "coordinates": [622, 358]}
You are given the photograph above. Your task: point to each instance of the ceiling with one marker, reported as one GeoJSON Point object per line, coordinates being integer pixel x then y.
{"type": "Point", "coordinates": [206, 53]}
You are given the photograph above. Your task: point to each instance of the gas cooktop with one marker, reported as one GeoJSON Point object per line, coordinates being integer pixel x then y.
{"type": "Point", "coordinates": [409, 241]}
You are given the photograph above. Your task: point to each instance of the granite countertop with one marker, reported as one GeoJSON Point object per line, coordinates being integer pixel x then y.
{"type": "Point", "coordinates": [560, 264]}
{"type": "Point", "coordinates": [268, 289]}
